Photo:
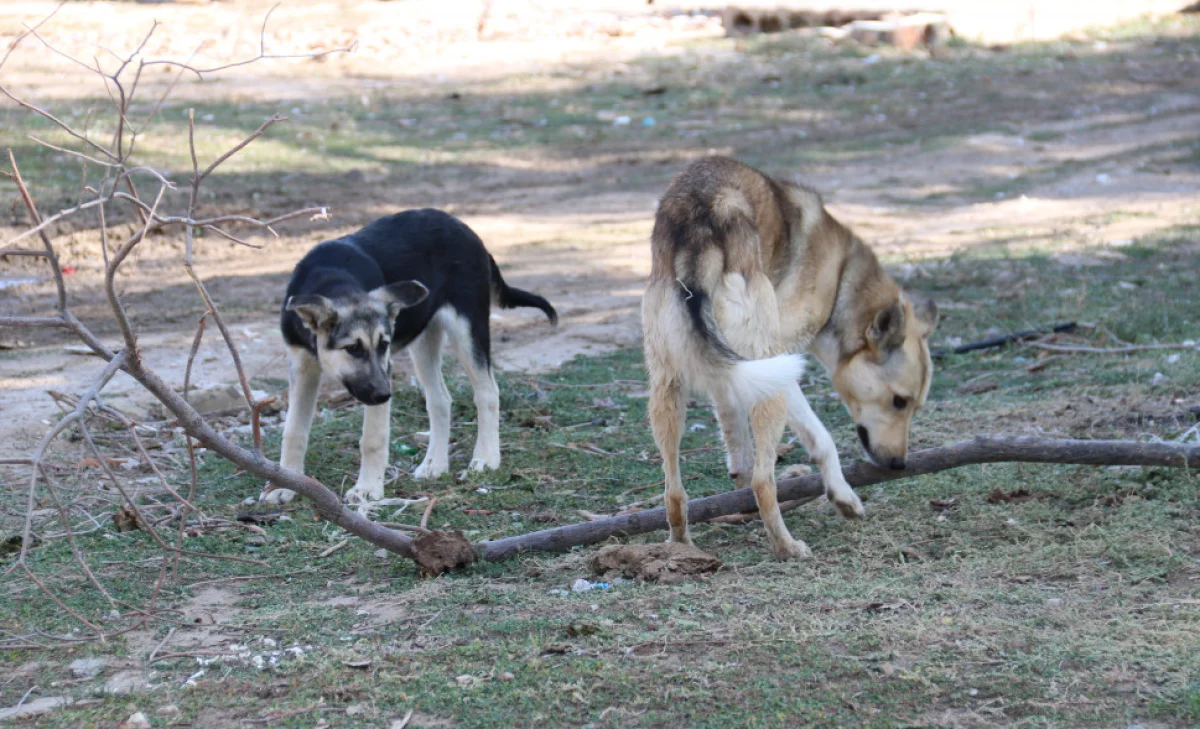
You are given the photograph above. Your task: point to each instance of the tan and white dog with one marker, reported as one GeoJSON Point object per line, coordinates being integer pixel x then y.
{"type": "Point", "coordinates": [748, 272]}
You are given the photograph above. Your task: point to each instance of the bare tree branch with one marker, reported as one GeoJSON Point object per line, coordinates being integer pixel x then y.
{"type": "Point", "coordinates": [982, 449]}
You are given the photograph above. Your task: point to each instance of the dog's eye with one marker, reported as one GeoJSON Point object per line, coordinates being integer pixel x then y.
{"type": "Point", "coordinates": [355, 350]}
{"type": "Point", "coordinates": [383, 346]}
{"type": "Point", "coordinates": [899, 402]}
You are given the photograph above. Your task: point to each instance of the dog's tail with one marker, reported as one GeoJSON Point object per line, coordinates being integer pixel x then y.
{"type": "Point", "coordinates": [511, 298]}
{"type": "Point", "coordinates": [748, 380]}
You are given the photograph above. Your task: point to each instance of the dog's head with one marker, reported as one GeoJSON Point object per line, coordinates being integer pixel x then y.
{"type": "Point", "coordinates": [353, 335]}
{"type": "Point", "coordinates": [887, 380]}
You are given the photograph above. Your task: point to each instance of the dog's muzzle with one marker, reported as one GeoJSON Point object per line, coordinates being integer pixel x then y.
{"type": "Point", "coordinates": [896, 463]}
{"type": "Point", "coordinates": [370, 396]}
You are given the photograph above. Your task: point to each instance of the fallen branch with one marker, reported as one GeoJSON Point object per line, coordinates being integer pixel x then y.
{"type": "Point", "coordinates": [982, 449]}
{"type": "Point", "coordinates": [1003, 340]}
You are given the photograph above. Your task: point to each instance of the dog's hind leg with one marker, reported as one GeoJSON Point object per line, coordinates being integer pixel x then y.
{"type": "Point", "coordinates": [374, 449]}
{"type": "Point", "coordinates": [426, 353]}
{"type": "Point", "coordinates": [735, 431]}
{"type": "Point", "coordinates": [821, 447]}
{"type": "Point", "coordinates": [667, 412]}
{"type": "Point", "coordinates": [304, 379]}
{"type": "Point", "coordinates": [471, 349]}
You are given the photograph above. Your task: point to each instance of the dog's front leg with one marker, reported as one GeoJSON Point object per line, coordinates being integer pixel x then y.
{"type": "Point", "coordinates": [766, 422]}
{"type": "Point", "coordinates": [822, 449]}
{"type": "Point", "coordinates": [374, 449]}
{"type": "Point", "coordinates": [305, 378]}
{"type": "Point", "coordinates": [426, 353]}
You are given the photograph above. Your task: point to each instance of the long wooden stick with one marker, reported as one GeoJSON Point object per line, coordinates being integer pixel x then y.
{"type": "Point", "coordinates": [982, 449]}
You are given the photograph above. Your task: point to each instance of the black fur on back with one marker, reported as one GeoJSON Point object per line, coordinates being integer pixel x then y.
{"type": "Point", "coordinates": [429, 246]}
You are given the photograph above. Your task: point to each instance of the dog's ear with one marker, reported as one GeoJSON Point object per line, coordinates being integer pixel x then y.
{"type": "Point", "coordinates": [925, 314]}
{"type": "Point", "coordinates": [886, 333]}
{"type": "Point", "coordinates": [316, 312]}
{"type": "Point", "coordinates": [400, 296]}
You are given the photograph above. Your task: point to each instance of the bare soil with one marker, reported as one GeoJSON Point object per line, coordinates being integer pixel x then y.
{"type": "Point", "coordinates": [572, 222]}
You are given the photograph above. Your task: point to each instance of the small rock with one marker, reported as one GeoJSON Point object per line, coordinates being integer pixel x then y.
{"type": "Point", "coordinates": [137, 720]}
{"type": "Point", "coordinates": [1158, 379]}
{"type": "Point", "coordinates": [37, 706]}
{"type": "Point", "coordinates": [125, 682]}
{"type": "Point", "coordinates": [87, 667]}
{"type": "Point", "coordinates": [1054, 602]}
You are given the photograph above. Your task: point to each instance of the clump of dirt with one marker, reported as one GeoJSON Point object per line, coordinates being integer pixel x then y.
{"type": "Point", "coordinates": [669, 563]}
{"type": "Point", "coordinates": [442, 551]}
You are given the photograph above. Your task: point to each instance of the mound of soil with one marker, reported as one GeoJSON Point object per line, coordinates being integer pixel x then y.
{"type": "Point", "coordinates": [439, 551]}
{"type": "Point", "coordinates": [668, 562]}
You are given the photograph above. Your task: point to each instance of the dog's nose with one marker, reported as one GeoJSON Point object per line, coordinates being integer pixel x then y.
{"type": "Point", "coordinates": [897, 464]}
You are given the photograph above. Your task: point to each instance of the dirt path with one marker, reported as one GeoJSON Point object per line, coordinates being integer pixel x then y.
{"type": "Point", "coordinates": [573, 223]}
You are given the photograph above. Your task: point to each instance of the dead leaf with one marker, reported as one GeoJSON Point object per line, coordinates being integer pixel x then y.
{"type": "Point", "coordinates": [556, 649]}
{"type": "Point", "coordinates": [1017, 496]}
{"type": "Point", "coordinates": [126, 520]}
{"type": "Point", "coordinates": [253, 517]}
{"type": "Point", "coordinates": [943, 504]}
{"type": "Point", "coordinates": [360, 664]}
{"type": "Point", "coordinates": [578, 630]}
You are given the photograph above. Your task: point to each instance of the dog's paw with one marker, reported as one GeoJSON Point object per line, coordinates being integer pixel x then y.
{"type": "Point", "coordinates": [784, 550]}
{"type": "Point", "coordinates": [484, 463]}
{"type": "Point", "coordinates": [428, 470]}
{"type": "Point", "coordinates": [363, 493]}
{"type": "Point", "coordinates": [277, 496]}
{"type": "Point", "coordinates": [852, 509]}
{"type": "Point", "coordinates": [684, 538]}
{"type": "Point", "coordinates": [846, 502]}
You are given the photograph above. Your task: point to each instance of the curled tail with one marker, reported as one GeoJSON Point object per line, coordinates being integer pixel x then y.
{"type": "Point", "coordinates": [511, 298]}
{"type": "Point", "coordinates": [748, 380]}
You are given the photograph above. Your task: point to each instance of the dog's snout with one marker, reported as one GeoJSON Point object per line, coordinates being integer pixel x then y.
{"type": "Point", "coordinates": [865, 437]}
{"type": "Point", "coordinates": [897, 464]}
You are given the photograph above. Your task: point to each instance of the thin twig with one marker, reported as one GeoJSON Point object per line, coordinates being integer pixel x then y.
{"type": "Point", "coordinates": [428, 510]}
{"type": "Point", "coordinates": [1110, 350]}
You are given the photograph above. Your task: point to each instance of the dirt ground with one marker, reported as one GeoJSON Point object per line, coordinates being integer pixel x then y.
{"type": "Point", "coordinates": [573, 224]}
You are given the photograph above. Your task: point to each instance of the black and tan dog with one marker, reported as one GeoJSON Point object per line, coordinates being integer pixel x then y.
{"type": "Point", "coordinates": [409, 280]}
{"type": "Point", "coordinates": [747, 272]}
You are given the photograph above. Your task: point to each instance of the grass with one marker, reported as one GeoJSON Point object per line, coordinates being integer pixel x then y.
{"type": "Point", "coordinates": [1075, 606]}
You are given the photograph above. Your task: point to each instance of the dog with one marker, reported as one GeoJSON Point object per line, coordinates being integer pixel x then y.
{"type": "Point", "coordinates": [413, 279]}
{"type": "Point", "coordinates": [748, 272]}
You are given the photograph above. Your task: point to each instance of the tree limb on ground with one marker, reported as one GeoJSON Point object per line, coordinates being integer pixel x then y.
{"type": "Point", "coordinates": [982, 449]}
